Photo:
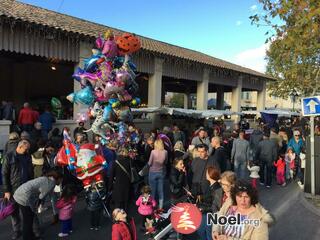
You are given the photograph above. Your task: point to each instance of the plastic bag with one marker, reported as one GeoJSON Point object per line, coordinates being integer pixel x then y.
{"type": "Point", "coordinates": [6, 208]}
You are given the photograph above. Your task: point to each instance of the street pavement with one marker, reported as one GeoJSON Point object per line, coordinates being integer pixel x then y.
{"type": "Point", "coordinates": [295, 219]}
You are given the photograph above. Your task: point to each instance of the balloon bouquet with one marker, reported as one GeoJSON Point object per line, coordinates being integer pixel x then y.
{"type": "Point", "coordinates": [108, 89]}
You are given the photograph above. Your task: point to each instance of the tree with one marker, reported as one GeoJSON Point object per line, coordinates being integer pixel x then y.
{"type": "Point", "coordinates": [294, 53]}
{"type": "Point", "coordinates": [177, 100]}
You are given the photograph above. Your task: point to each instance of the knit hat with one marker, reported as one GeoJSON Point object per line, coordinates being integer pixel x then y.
{"type": "Point", "coordinates": [25, 135]}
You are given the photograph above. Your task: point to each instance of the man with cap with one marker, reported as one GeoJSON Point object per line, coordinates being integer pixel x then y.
{"type": "Point", "coordinates": [267, 153]}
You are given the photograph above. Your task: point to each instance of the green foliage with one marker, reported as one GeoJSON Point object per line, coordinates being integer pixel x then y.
{"type": "Point", "coordinates": [294, 53]}
{"type": "Point", "coordinates": [177, 100]}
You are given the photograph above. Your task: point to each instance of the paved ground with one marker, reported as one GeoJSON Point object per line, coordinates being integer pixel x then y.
{"type": "Point", "coordinates": [294, 218]}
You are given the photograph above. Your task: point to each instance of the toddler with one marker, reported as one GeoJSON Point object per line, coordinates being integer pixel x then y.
{"type": "Point", "coordinates": [66, 205]}
{"type": "Point", "coordinates": [146, 204]}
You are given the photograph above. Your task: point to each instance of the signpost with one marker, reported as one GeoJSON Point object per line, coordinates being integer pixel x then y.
{"type": "Point", "coordinates": [311, 107]}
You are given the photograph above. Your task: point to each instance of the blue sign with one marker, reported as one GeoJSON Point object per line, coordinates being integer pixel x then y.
{"type": "Point", "coordinates": [310, 106]}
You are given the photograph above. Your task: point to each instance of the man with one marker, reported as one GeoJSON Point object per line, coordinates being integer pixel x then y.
{"type": "Point", "coordinates": [80, 129]}
{"type": "Point", "coordinates": [266, 154]}
{"type": "Point", "coordinates": [16, 169]}
{"type": "Point", "coordinates": [202, 139]}
{"type": "Point", "coordinates": [26, 118]}
{"type": "Point", "coordinates": [46, 119]}
{"type": "Point", "coordinates": [198, 168]}
{"type": "Point", "coordinates": [219, 155]}
{"type": "Point", "coordinates": [7, 111]}
{"type": "Point", "coordinates": [255, 138]}
{"type": "Point", "coordinates": [275, 137]}
{"type": "Point", "coordinates": [178, 135]}
{"type": "Point", "coordinates": [240, 155]}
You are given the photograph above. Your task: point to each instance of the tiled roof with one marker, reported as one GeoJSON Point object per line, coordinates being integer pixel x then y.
{"type": "Point", "coordinates": [37, 15]}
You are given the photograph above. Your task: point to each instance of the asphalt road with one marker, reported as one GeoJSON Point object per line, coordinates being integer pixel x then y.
{"type": "Point", "coordinates": [295, 219]}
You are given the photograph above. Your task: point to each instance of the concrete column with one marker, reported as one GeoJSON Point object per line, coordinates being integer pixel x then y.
{"type": "Point", "coordinates": [236, 98]}
{"type": "Point", "coordinates": [85, 52]}
{"type": "Point", "coordinates": [220, 97]}
{"type": "Point", "coordinates": [261, 98]}
{"type": "Point", "coordinates": [186, 100]}
{"type": "Point", "coordinates": [155, 84]}
{"type": "Point", "coordinates": [202, 91]}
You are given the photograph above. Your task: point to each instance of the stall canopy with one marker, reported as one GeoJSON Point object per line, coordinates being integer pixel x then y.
{"type": "Point", "coordinates": [185, 112]}
{"type": "Point", "coordinates": [278, 112]}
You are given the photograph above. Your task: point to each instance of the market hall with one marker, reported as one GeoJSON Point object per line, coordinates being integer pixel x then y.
{"type": "Point", "coordinates": [39, 50]}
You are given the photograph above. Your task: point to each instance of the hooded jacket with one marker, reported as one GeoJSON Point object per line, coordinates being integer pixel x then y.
{"type": "Point", "coordinates": [250, 232]}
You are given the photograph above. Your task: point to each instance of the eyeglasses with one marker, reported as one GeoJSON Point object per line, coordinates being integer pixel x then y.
{"type": "Point", "coordinates": [242, 188]}
{"type": "Point", "coordinates": [297, 135]}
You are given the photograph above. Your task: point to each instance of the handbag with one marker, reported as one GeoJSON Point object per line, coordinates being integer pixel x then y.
{"type": "Point", "coordinates": [133, 176]}
{"type": "Point", "coordinates": [145, 170]}
{"type": "Point", "coordinates": [6, 208]}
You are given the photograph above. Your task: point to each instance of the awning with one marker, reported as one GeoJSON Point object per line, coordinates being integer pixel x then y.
{"type": "Point", "coordinates": [185, 112]}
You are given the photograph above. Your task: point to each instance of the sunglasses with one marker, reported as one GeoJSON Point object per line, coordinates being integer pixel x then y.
{"type": "Point", "coordinates": [242, 188]}
{"type": "Point", "coordinates": [120, 211]}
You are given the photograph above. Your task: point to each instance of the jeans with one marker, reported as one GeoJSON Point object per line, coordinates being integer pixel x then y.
{"type": "Point", "coordinates": [16, 219]}
{"type": "Point", "coordinates": [156, 182]}
{"type": "Point", "coordinates": [204, 230]}
{"type": "Point", "coordinates": [268, 167]}
{"type": "Point", "coordinates": [28, 215]}
{"type": "Point", "coordinates": [240, 168]}
{"type": "Point", "coordinates": [66, 226]}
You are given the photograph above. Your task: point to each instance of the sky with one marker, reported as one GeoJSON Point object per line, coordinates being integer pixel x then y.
{"type": "Point", "coordinates": [218, 28]}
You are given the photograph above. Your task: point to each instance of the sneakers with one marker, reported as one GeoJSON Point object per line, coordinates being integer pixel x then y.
{"type": "Point", "coordinates": [284, 184]}
{"type": "Point", "coordinates": [91, 228]}
{"type": "Point", "coordinates": [63, 235]}
{"type": "Point", "coordinates": [261, 183]}
{"type": "Point", "coordinates": [96, 228]}
{"type": "Point", "coordinates": [268, 186]}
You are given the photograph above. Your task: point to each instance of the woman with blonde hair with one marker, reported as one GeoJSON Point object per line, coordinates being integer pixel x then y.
{"type": "Point", "coordinates": [157, 163]}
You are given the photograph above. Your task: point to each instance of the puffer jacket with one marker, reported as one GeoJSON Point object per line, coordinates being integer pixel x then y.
{"type": "Point", "coordinates": [11, 171]}
{"type": "Point", "coordinates": [120, 231]}
{"type": "Point", "coordinates": [250, 232]}
{"type": "Point", "coordinates": [146, 207]}
{"type": "Point", "coordinates": [94, 202]}
{"type": "Point", "coordinates": [66, 208]}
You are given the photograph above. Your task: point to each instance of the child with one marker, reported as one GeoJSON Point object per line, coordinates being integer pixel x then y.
{"type": "Point", "coordinates": [66, 205]}
{"type": "Point", "coordinates": [289, 158]}
{"type": "Point", "coordinates": [94, 198]}
{"type": "Point", "coordinates": [280, 164]}
{"type": "Point", "coordinates": [254, 173]}
{"type": "Point", "coordinates": [146, 205]}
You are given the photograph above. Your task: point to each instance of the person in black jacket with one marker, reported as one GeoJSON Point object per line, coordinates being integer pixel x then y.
{"type": "Point", "coordinates": [120, 179]}
{"type": "Point", "coordinates": [94, 205]}
{"type": "Point", "coordinates": [210, 201]}
{"type": "Point", "coordinates": [16, 169]}
{"type": "Point", "coordinates": [219, 154]}
{"type": "Point", "coordinates": [177, 181]}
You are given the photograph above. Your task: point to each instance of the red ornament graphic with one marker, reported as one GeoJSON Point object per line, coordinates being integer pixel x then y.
{"type": "Point", "coordinates": [186, 218]}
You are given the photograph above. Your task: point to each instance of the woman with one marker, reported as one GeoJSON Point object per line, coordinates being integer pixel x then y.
{"type": "Point", "coordinates": [178, 151]}
{"type": "Point", "coordinates": [177, 181]}
{"type": "Point", "coordinates": [227, 181]}
{"type": "Point", "coordinates": [30, 195]}
{"type": "Point", "coordinates": [157, 163]}
{"type": "Point", "coordinates": [244, 202]}
{"type": "Point", "coordinates": [210, 201]}
{"type": "Point", "coordinates": [121, 229]}
{"type": "Point", "coordinates": [120, 179]}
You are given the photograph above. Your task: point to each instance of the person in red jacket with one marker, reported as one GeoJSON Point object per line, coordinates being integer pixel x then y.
{"type": "Point", "coordinates": [26, 118]}
{"type": "Point", "coordinates": [122, 229]}
{"type": "Point", "coordinates": [281, 166]}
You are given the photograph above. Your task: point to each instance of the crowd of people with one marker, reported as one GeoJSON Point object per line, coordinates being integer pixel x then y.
{"type": "Point", "coordinates": [217, 169]}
